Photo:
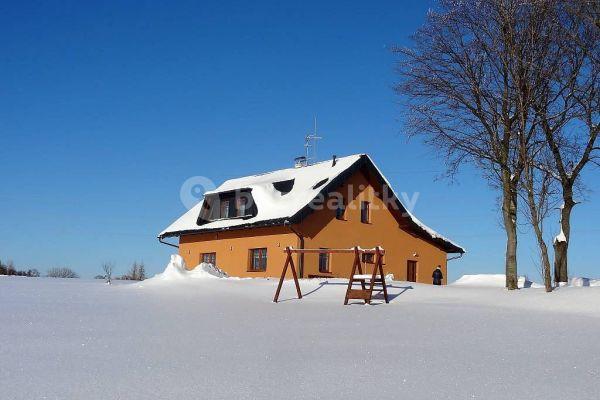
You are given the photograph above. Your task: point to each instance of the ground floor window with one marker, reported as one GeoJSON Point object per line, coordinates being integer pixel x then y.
{"type": "Point", "coordinates": [324, 262]}
{"type": "Point", "coordinates": [209, 258]}
{"type": "Point", "coordinates": [258, 259]}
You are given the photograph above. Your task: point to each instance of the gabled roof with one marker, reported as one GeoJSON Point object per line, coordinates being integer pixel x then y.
{"type": "Point", "coordinates": [275, 207]}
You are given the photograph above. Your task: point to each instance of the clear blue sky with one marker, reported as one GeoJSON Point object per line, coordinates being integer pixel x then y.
{"type": "Point", "coordinates": [106, 109]}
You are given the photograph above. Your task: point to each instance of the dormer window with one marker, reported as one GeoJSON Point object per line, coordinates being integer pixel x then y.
{"type": "Point", "coordinates": [217, 206]}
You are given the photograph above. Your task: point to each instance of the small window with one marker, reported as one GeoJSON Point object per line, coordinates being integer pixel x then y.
{"type": "Point", "coordinates": [209, 258]}
{"type": "Point", "coordinates": [368, 258]}
{"type": "Point", "coordinates": [258, 259]}
{"type": "Point", "coordinates": [224, 208]}
{"type": "Point", "coordinates": [324, 262]}
{"type": "Point", "coordinates": [340, 211]}
{"type": "Point", "coordinates": [242, 206]}
{"type": "Point", "coordinates": [365, 212]}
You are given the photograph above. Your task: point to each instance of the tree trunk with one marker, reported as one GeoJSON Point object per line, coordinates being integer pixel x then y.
{"type": "Point", "coordinates": [561, 242]}
{"type": "Point", "coordinates": [509, 214]}
{"type": "Point", "coordinates": [544, 258]}
{"type": "Point", "coordinates": [546, 266]}
{"type": "Point", "coordinates": [536, 214]}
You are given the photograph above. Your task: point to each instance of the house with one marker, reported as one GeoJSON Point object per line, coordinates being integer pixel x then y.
{"type": "Point", "coordinates": [245, 224]}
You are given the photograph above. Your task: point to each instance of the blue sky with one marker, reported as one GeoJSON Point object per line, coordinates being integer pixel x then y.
{"type": "Point", "coordinates": [106, 109]}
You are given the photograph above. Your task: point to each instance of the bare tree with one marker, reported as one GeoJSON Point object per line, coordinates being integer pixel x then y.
{"type": "Point", "coordinates": [538, 191]}
{"type": "Point", "coordinates": [469, 82]}
{"type": "Point", "coordinates": [136, 273]}
{"type": "Point", "coordinates": [33, 273]}
{"type": "Point", "coordinates": [141, 272]}
{"type": "Point", "coordinates": [133, 272]}
{"type": "Point", "coordinates": [10, 268]}
{"type": "Point", "coordinates": [568, 108]}
{"type": "Point", "coordinates": [63, 272]}
{"type": "Point", "coordinates": [107, 268]}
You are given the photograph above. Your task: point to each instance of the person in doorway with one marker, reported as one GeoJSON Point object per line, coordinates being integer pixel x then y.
{"type": "Point", "coordinates": [437, 276]}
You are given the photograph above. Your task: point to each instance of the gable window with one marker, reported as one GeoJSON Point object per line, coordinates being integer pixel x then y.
{"type": "Point", "coordinates": [258, 259]}
{"type": "Point", "coordinates": [209, 258]}
{"type": "Point", "coordinates": [368, 258]}
{"type": "Point", "coordinates": [340, 211]}
{"type": "Point", "coordinates": [365, 212]}
{"type": "Point", "coordinates": [324, 262]}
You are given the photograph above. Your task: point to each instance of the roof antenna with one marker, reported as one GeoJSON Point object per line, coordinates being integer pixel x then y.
{"type": "Point", "coordinates": [310, 143]}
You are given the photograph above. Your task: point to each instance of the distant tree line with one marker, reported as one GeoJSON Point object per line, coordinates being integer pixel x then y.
{"type": "Point", "coordinates": [137, 272]}
{"type": "Point", "coordinates": [10, 269]}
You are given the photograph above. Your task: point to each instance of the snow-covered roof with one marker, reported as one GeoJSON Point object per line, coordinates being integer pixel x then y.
{"type": "Point", "coordinates": [275, 207]}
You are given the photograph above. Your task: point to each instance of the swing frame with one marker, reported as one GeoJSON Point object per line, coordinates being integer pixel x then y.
{"type": "Point", "coordinates": [364, 293]}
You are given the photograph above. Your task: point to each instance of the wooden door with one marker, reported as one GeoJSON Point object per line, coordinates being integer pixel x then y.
{"type": "Point", "coordinates": [411, 271]}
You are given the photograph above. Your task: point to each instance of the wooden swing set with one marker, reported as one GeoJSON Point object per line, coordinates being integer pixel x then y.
{"type": "Point", "coordinates": [364, 293]}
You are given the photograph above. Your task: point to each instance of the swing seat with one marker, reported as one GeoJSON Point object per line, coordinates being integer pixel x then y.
{"type": "Point", "coordinates": [366, 276]}
{"type": "Point", "coordinates": [367, 281]}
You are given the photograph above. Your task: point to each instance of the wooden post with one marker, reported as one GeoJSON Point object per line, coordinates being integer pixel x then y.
{"type": "Point", "coordinates": [379, 266]}
{"type": "Point", "coordinates": [289, 261]}
{"type": "Point", "coordinates": [350, 281]}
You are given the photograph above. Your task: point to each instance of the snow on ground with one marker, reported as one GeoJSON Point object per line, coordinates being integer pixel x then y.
{"type": "Point", "coordinates": [225, 339]}
{"type": "Point", "coordinates": [493, 280]}
{"type": "Point", "coordinates": [499, 281]}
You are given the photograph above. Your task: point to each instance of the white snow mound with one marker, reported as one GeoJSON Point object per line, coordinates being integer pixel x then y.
{"type": "Point", "coordinates": [492, 280]}
{"type": "Point", "coordinates": [583, 282]}
{"type": "Point", "coordinates": [176, 270]}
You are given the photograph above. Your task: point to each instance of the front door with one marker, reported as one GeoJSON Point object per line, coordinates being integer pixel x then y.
{"type": "Point", "coordinates": [411, 271]}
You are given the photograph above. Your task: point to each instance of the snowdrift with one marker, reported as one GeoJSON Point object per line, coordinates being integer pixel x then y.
{"type": "Point", "coordinates": [492, 280]}
{"type": "Point", "coordinates": [583, 282]}
{"type": "Point", "coordinates": [498, 280]}
{"type": "Point", "coordinates": [176, 270]}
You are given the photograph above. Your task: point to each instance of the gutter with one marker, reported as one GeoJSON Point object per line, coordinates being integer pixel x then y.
{"type": "Point", "coordinates": [455, 257]}
{"type": "Point", "coordinates": [168, 244]}
{"type": "Point", "coordinates": [301, 238]}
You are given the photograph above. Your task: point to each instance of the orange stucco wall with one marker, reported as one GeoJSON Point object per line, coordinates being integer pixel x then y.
{"type": "Point", "coordinates": [232, 249]}
{"type": "Point", "coordinates": [322, 230]}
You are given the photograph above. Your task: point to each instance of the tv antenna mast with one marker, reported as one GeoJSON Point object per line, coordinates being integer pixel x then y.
{"type": "Point", "coordinates": [310, 145]}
